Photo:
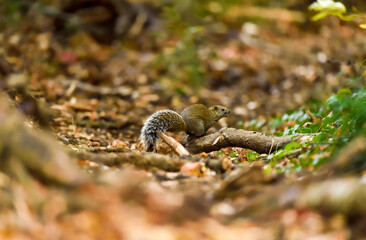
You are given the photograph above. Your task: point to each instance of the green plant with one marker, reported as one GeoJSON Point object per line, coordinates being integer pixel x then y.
{"type": "Point", "coordinates": [330, 8]}
{"type": "Point", "coordinates": [337, 121]}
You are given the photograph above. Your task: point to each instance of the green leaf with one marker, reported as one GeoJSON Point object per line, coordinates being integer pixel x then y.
{"type": "Point", "coordinates": [233, 154]}
{"type": "Point", "coordinates": [279, 154]}
{"type": "Point", "coordinates": [220, 152]}
{"type": "Point", "coordinates": [287, 131]}
{"type": "Point", "coordinates": [329, 8]}
{"type": "Point", "coordinates": [319, 16]}
{"type": "Point", "coordinates": [294, 129]}
{"type": "Point", "coordinates": [292, 146]}
{"type": "Point", "coordinates": [344, 92]}
{"type": "Point", "coordinates": [346, 18]}
{"type": "Point", "coordinates": [252, 156]}
{"type": "Point", "coordinates": [321, 138]}
{"type": "Point", "coordinates": [314, 127]}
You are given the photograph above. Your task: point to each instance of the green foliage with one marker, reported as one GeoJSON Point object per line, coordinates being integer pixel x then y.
{"type": "Point", "coordinates": [340, 119]}
{"type": "Point", "coordinates": [348, 114]}
{"type": "Point", "coordinates": [329, 8]}
{"type": "Point", "coordinates": [252, 155]}
{"type": "Point", "coordinates": [299, 115]}
{"type": "Point", "coordinates": [233, 154]}
{"type": "Point", "coordinates": [220, 153]}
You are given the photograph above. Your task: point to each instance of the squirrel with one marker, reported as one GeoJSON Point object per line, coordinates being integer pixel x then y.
{"type": "Point", "coordinates": [195, 119]}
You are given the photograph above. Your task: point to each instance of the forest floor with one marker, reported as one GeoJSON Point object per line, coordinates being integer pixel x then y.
{"type": "Point", "coordinates": [97, 97]}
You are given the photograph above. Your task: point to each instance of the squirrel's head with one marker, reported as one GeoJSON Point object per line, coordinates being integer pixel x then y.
{"type": "Point", "coordinates": [220, 111]}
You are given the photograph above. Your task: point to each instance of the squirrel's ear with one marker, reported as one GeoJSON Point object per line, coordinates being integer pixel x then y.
{"type": "Point", "coordinates": [215, 108]}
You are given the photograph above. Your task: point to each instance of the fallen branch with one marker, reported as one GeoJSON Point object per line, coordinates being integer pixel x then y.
{"type": "Point", "coordinates": [231, 137]}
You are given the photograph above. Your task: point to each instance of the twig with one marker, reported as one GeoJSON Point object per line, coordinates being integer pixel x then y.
{"type": "Point", "coordinates": [313, 118]}
{"type": "Point", "coordinates": [270, 150]}
{"type": "Point", "coordinates": [176, 146]}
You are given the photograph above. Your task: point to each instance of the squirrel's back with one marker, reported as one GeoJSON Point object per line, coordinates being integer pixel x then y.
{"type": "Point", "coordinates": [163, 120]}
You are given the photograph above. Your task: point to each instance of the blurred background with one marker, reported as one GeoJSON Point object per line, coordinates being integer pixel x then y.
{"type": "Point", "coordinates": [258, 57]}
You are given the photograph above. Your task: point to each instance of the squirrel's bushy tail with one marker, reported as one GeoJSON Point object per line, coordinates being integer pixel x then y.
{"type": "Point", "coordinates": [163, 120]}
